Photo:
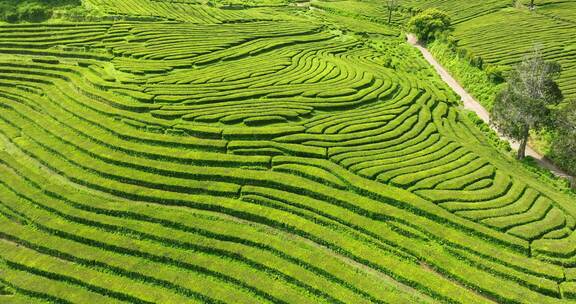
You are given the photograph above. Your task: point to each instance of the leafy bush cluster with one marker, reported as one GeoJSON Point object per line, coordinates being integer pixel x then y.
{"type": "Point", "coordinates": [435, 25]}
{"type": "Point", "coordinates": [483, 84]}
{"type": "Point", "coordinates": [31, 10]}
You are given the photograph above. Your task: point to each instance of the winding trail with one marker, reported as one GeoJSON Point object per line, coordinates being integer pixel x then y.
{"type": "Point", "coordinates": [472, 104]}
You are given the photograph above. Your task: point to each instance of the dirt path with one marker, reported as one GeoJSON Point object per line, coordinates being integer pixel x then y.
{"type": "Point", "coordinates": [471, 104]}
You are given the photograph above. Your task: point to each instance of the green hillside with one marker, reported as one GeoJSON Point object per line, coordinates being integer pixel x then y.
{"type": "Point", "coordinates": [502, 34]}
{"type": "Point", "coordinates": [258, 152]}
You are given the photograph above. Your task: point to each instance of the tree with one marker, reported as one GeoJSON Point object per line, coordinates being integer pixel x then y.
{"type": "Point", "coordinates": [34, 12]}
{"type": "Point", "coordinates": [392, 6]}
{"type": "Point", "coordinates": [524, 104]}
{"type": "Point", "coordinates": [429, 24]}
{"type": "Point", "coordinates": [564, 143]}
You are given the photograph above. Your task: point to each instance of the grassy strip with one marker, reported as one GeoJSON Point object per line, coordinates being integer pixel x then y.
{"type": "Point", "coordinates": [472, 78]}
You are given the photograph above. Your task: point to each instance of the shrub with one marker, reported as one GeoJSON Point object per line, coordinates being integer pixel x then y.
{"type": "Point", "coordinates": [33, 12]}
{"type": "Point", "coordinates": [476, 61]}
{"type": "Point", "coordinates": [473, 60]}
{"type": "Point", "coordinates": [11, 16]}
{"type": "Point", "coordinates": [474, 79]}
{"type": "Point", "coordinates": [496, 73]}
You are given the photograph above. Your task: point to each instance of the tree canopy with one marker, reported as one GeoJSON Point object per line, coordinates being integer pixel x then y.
{"type": "Point", "coordinates": [430, 24]}
{"type": "Point", "coordinates": [524, 104]}
{"type": "Point", "coordinates": [31, 10]}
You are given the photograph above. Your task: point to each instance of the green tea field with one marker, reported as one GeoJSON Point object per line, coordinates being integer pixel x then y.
{"type": "Point", "coordinates": [184, 151]}
{"type": "Point", "coordinates": [501, 35]}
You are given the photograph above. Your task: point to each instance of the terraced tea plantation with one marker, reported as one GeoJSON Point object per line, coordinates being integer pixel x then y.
{"type": "Point", "coordinates": [177, 152]}
{"type": "Point", "coordinates": [502, 35]}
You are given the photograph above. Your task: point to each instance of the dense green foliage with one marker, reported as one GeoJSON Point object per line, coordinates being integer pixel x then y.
{"type": "Point", "coordinates": [525, 103]}
{"type": "Point", "coordinates": [564, 143]}
{"type": "Point", "coordinates": [498, 34]}
{"type": "Point", "coordinates": [32, 10]}
{"type": "Point", "coordinates": [482, 85]}
{"type": "Point", "coordinates": [430, 24]}
{"type": "Point", "coordinates": [178, 152]}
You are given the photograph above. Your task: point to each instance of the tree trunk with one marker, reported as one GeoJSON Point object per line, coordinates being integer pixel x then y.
{"type": "Point", "coordinates": [523, 143]}
{"type": "Point", "coordinates": [389, 15]}
{"type": "Point", "coordinates": [532, 4]}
